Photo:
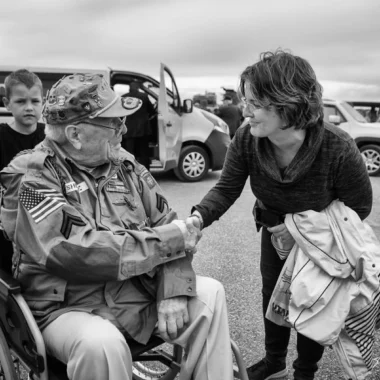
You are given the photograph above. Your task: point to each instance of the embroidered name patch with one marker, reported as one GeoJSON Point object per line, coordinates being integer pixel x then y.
{"type": "Point", "coordinates": [70, 187]}
{"type": "Point", "coordinates": [82, 187]}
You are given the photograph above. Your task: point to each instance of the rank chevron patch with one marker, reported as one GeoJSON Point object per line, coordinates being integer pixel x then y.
{"type": "Point", "coordinates": [161, 202]}
{"type": "Point", "coordinates": [68, 222]}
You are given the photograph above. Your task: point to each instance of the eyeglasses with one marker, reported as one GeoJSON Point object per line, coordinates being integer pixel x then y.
{"type": "Point", "coordinates": [252, 106]}
{"type": "Point", "coordinates": [117, 122]}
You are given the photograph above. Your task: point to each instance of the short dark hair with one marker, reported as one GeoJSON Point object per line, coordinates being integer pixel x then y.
{"type": "Point", "coordinates": [289, 84]}
{"type": "Point", "coordinates": [21, 76]}
{"type": "Point", "coordinates": [227, 97]}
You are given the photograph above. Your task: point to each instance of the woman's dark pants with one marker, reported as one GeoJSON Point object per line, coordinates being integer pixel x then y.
{"type": "Point", "coordinates": [277, 337]}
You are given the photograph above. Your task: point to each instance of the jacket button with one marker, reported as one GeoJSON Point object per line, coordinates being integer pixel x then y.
{"type": "Point", "coordinates": [189, 289]}
{"type": "Point", "coordinates": [373, 265]}
{"type": "Point", "coordinates": [345, 219]}
{"type": "Point", "coordinates": [168, 254]}
{"type": "Point", "coordinates": [55, 291]}
{"type": "Point", "coordinates": [189, 280]}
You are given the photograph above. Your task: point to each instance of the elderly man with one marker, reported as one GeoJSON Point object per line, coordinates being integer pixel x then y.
{"type": "Point", "coordinates": [100, 254]}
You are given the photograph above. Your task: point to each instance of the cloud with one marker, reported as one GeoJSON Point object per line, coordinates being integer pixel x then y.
{"type": "Point", "coordinates": [204, 39]}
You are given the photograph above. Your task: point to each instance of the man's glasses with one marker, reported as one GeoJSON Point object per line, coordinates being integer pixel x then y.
{"type": "Point", "coordinates": [116, 122]}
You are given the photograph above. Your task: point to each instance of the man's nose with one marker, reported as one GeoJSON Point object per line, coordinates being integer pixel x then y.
{"type": "Point", "coordinates": [124, 129]}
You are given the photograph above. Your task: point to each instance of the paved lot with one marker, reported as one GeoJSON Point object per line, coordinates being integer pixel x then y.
{"type": "Point", "coordinates": [229, 252]}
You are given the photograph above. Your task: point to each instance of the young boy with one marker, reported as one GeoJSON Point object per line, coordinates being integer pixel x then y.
{"type": "Point", "coordinates": [23, 97]}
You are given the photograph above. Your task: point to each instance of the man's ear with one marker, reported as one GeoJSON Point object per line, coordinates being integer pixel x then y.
{"type": "Point", "coordinates": [72, 133]}
{"type": "Point", "coordinates": [6, 102]}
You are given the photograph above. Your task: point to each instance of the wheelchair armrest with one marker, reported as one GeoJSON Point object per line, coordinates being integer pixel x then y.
{"type": "Point", "coordinates": [8, 285]}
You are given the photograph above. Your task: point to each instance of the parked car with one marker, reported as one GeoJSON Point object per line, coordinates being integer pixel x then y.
{"type": "Point", "coordinates": [184, 138]}
{"type": "Point", "coordinates": [369, 109]}
{"type": "Point", "coordinates": [365, 134]}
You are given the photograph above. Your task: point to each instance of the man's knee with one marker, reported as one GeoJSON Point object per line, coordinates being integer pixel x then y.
{"type": "Point", "coordinates": [210, 292]}
{"type": "Point", "coordinates": [97, 342]}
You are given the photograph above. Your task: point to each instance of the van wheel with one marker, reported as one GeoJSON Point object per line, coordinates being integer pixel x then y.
{"type": "Point", "coordinates": [371, 157]}
{"type": "Point", "coordinates": [193, 164]}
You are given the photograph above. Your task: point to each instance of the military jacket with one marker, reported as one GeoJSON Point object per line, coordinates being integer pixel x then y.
{"type": "Point", "coordinates": [98, 240]}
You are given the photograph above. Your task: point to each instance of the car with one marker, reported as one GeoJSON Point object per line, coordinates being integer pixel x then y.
{"type": "Point", "coordinates": [185, 138]}
{"type": "Point", "coordinates": [5, 115]}
{"type": "Point", "coordinates": [365, 134]}
{"type": "Point", "coordinates": [369, 109]}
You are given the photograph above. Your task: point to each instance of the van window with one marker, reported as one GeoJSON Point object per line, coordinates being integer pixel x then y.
{"type": "Point", "coordinates": [121, 88]}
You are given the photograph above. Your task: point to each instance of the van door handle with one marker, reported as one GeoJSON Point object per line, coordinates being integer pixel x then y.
{"type": "Point", "coordinates": [169, 124]}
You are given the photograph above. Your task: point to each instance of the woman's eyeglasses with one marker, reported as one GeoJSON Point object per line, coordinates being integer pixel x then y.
{"type": "Point", "coordinates": [250, 106]}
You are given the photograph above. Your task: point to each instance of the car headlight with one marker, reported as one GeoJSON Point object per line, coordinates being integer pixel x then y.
{"type": "Point", "coordinates": [219, 124]}
{"type": "Point", "coordinates": [223, 126]}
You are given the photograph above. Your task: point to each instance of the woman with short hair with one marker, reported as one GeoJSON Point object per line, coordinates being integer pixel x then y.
{"type": "Point", "coordinates": [295, 162]}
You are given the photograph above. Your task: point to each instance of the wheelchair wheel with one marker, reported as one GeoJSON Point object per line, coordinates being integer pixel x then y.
{"type": "Point", "coordinates": [7, 369]}
{"type": "Point", "coordinates": [161, 363]}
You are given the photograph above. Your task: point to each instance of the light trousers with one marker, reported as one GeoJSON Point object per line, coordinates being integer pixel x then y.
{"type": "Point", "coordinates": [93, 348]}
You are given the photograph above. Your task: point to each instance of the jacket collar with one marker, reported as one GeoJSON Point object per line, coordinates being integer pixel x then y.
{"type": "Point", "coordinates": [300, 164]}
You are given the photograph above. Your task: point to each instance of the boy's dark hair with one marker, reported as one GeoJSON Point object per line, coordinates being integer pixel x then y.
{"type": "Point", "coordinates": [21, 76]}
{"type": "Point", "coordinates": [289, 84]}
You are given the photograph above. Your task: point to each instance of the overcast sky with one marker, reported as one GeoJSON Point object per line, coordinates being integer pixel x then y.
{"type": "Point", "coordinates": [206, 43]}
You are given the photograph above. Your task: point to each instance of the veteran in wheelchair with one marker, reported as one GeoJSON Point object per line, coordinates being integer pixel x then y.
{"type": "Point", "coordinates": [101, 259]}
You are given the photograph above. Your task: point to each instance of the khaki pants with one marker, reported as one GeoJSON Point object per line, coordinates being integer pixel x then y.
{"type": "Point", "coordinates": [95, 349]}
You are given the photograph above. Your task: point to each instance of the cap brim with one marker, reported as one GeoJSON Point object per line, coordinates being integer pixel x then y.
{"type": "Point", "coordinates": [121, 107]}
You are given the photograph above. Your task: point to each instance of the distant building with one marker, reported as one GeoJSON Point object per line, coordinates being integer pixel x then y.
{"type": "Point", "coordinates": [206, 101]}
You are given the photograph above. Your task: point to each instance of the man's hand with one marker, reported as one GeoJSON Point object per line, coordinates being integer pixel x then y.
{"type": "Point", "coordinates": [282, 235]}
{"type": "Point", "coordinates": [191, 234]}
{"type": "Point", "coordinates": [173, 316]}
{"type": "Point", "coordinates": [193, 222]}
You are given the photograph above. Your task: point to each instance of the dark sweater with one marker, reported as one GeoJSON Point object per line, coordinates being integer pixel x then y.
{"type": "Point", "coordinates": [13, 142]}
{"type": "Point", "coordinates": [328, 166]}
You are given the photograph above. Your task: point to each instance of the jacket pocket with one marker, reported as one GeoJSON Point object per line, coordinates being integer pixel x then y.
{"type": "Point", "coordinates": [39, 285]}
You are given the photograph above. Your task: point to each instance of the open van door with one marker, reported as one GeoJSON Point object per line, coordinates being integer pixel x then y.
{"type": "Point", "coordinates": [169, 120]}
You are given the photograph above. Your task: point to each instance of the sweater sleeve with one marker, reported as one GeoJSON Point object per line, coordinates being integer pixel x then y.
{"type": "Point", "coordinates": [229, 187]}
{"type": "Point", "coordinates": [352, 182]}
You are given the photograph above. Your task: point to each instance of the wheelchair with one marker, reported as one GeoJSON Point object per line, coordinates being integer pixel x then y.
{"type": "Point", "coordinates": [23, 355]}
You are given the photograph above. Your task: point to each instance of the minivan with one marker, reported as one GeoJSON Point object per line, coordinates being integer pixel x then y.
{"type": "Point", "coordinates": [186, 139]}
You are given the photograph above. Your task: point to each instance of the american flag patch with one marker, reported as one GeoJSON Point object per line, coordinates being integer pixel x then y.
{"type": "Point", "coordinates": [41, 202]}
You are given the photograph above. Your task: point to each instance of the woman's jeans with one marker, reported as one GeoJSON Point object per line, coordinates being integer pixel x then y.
{"type": "Point", "coordinates": [277, 337]}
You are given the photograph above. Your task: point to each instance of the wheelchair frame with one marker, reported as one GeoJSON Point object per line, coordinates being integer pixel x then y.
{"type": "Point", "coordinates": [21, 342]}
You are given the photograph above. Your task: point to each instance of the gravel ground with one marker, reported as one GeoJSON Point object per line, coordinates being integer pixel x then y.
{"type": "Point", "coordinates": [229, 252]}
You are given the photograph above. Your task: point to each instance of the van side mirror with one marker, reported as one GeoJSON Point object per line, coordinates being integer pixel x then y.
{"type": "Point", "coordinates": [334, 119]}
{"type": "Point", "coordinates": [187, 106]}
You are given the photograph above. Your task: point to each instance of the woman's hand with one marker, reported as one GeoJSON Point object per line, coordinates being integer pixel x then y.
{"type": "Point", "coordinates": [282, 235]}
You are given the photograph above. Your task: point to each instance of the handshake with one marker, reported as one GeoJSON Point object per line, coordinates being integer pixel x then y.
{"type": "Point", "coordinates": [191, 231]}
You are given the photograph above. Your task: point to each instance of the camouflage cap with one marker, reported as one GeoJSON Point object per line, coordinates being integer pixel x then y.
{"type": "Point", "coordinates": [85, 96]}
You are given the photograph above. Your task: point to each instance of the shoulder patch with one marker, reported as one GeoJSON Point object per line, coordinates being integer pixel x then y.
{"type": "Point", "coordinates": [148, 178]}
{"type": "Point", "coordinates": [161, 202]}
{"type": "Point", "coordinates": [68, 222]}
